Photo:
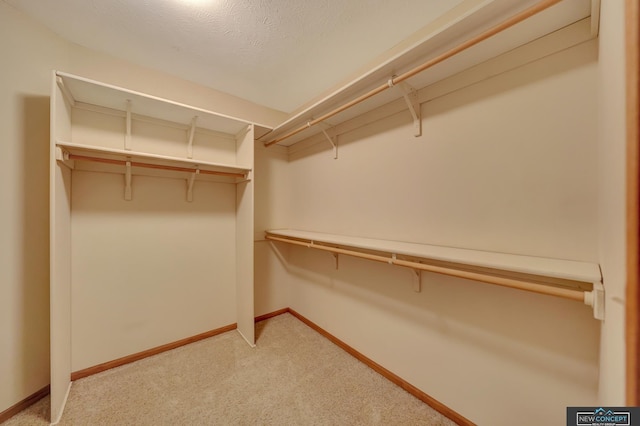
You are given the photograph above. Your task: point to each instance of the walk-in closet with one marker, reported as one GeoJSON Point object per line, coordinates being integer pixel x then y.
{"type": "Point", "coordinates": [442, 192]}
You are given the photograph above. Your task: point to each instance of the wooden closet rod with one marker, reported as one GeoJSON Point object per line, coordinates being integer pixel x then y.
{"type": "Point", "coordinates": [516, 19]}
{"type": "Point", "coordinates": [566, 293]}
{"type": "Point", "coordinates": [153, 166]}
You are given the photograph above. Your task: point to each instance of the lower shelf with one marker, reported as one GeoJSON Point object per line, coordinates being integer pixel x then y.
{"type": "Point", "coordinates": [579, 281]}
{"type": "Point", "coordinates": [105, 159]}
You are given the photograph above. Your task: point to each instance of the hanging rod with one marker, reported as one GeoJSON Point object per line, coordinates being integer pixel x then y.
{"type": "Point", "coordinates": [566, 293]}
{"type": "Point", "coordinates": [154, 166]}
{"type": "Point", "coordinates": [516, 19]}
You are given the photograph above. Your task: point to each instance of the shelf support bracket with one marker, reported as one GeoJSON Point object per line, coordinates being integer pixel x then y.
{"type": "Point", "coordinates": [595, 299]}
{"type": "Point", "coordinates": [65, 91]}
{"type": "Point", "coordinates": [333, 144]}
{"type": "Point", "coordinates": [127, 182]}
{"type": "Point", "coordinates": [190, 183]}
{"type": "Point", "coordinates": [335, 256]}
{"type": "Point", "coordinates": [127, 136]}
{"type": "Point", "coordinates": [63, 158]}
{"type": "Point", "coordinates": [192, 132]}
{"type": "Point", "coordinates": [410, 96]}
{"type": "Point", "coordinates": [417, 280]}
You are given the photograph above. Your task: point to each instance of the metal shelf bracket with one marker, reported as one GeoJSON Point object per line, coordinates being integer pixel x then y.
{"type": "Point", "coordinates": [127, 136]}
{"type": "Point", "coordinates": [63, 158]}
{"type": "Point", "coordinates": [417, 280]}
{"type": "Point", "coordinates": [192, 132]}
{"type": "Point", "coordinates": [65, 91]}
{"type": "Point", "coordinates": [190, 183]}
{"type": "Point", "coordinates": [127, 182]}
{"type": "Point", "coordinates": [333, 143]}
{"type": "Point", "coordinates": [410, 96]}
{"type": "Point", "coordinates": [595, 299]}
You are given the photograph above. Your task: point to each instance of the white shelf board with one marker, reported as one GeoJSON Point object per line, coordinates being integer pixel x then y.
{"type": "Point", "coordinates": [105, 95]}
{"type": "Point", "coordinates": [461, 28]}
{"type": "Point", "coordinates": [123, 155]}
{"type": "Point", "coordinates": [540, 266]}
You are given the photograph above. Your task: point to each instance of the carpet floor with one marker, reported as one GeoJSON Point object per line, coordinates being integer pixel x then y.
{"type": "Point", "coordinates": [293, 377]}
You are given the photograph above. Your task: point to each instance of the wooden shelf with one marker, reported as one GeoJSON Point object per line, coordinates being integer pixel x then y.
{"type": "Point", "coordinates": [143, 141]}
{"type": "Point", "coordinates": [439, 38]}
{"type": "Point", "coordinates": [578, 281]}
{"type": "Point", "coordinates": [544, 267]}
{"type": "Point", "coordinates": [155, 160]}
{"type": "Point", "coordinates": [91, 92]}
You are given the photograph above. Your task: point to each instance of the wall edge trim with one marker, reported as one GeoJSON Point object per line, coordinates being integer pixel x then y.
{"type": "Point", "coordinates": [408, 387]}
{"type": "Point", "coordinates": [149, 352]}
{"type": "Point", "coordinates": [272, 314]}
{"type": "Point", "coordinates": [397, 380]}
{"type": "Point", "coordinates": [25, 403]}
{"type": "Point", "coordinates": [163, 348]}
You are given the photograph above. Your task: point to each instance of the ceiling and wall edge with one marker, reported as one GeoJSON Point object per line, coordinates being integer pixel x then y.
{"type": "Point", "coordinates": [562, 15]}
{"type": "Point", "coordinates": [566, 38]}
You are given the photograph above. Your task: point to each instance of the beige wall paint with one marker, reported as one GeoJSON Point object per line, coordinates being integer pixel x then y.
{"type": "Point", "coordinates": [506, 165]}
{"type": "Point", "coordinates": [611, 199]}
{"type": "Point", "coordinates": [29, 52]}
{"type": "Point", "coordinates": [372, 310]}
{"type": "Point", "coordinates": [271, 212]}
{"type": "Point", "coordinates": [107, 69]}
{"type": "Point", "coordinates": [149, 271]}
{"type": "Point", "coordinates": [484, 175]}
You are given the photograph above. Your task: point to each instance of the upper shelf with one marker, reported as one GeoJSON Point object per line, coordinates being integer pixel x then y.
{"type": "Point", "coordinates": [465, 22]}
{"type": "Point", "coordinates": [539, 266]}
{"type": "Point", "coordinates": [92, 92]}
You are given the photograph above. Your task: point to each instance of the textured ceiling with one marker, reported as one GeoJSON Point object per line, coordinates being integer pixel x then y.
{"type": "Point", "coordinates": [278, 53]}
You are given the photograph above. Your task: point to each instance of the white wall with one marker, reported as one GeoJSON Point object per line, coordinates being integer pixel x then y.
{"type": "Point", "coordinates": [505, 165]}
{"type": "Point", "coordinates": [611, 198]}
{"type": "Point", "coordinates": [29, 52]}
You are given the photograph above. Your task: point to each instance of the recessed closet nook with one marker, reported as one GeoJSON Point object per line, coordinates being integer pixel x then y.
{"type": "Point", "coordinates": [437, 213]}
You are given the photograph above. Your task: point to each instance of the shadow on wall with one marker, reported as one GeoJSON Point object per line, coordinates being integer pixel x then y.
{"type": "Point", "coordinates": [102, 194]}
{"type": "Point", "coordinates": [521, 76]}
{"type": "Point", "coordinates": [528, 74]}
{"type": "Point", "coordinates": [507, 323]}
{"type": "Point", "coordinates": [34, 178]}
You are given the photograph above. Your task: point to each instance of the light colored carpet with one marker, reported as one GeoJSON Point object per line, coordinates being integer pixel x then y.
{"type": "Point", "coordinates": [293, 377]}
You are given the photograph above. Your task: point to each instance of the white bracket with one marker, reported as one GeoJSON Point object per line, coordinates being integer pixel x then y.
{"type": "Point", "coordinates": [410, 96]}
{"type": "Point", "coordinates": [190, 183]}
{"type": "Point", "coordinates": [333, 144]}
{"type": "Point", "coordinates": [63, 157]}
{"type": "Point", "coordinates": [127, 182]}
{"type": "Point", "coordinates": [247, 178]}
{"type": "Point", "coordinates": [127, 136]}
{"type": "Point", "coordinates": [595, 299]}
{"type": "Point", "coordinates": [65, 91]}
{"type": "Point", "coordinates": [192, 132]}
{"type": "Point", "coordinates": [417, 280]}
